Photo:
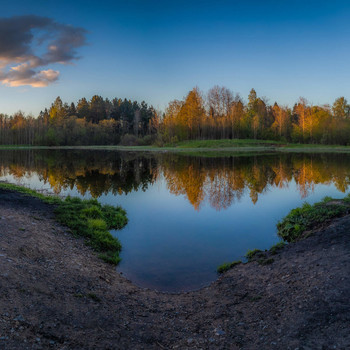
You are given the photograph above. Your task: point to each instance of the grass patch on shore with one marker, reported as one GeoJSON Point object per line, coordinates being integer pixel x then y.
{"type": "Point", "coordinates": [308, 217]}
{"type": "Point", "coordinates": [252, 253]}
{"type": "Point", "coordinates": [223, 143]}
{"type": "Point", "coordinates": [227, 266]}
{"type": "Point", "coordinates": [207, 148]}
{"type": "Point", "coordinates": [277, 247]}
{"type": "Point", "coordinates": [297, 225]}
{"type": "Point", "coordinates": [86, 218]}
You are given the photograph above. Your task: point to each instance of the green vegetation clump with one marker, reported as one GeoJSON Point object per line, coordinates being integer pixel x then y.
{"type": "Point", "coordinates": [86, 218]}
{"type": "Point", "coordinates": [90, 219]}
{"type": "Point", "coordinates": [276, 247]}
{"type": "Point", "coordinates": [308, 217]}
{"type": "Point", "coordinates": [292, 227]}
{"type": "Point", "coordinates": [252, 253]}
{"type": "Point", "coordinates": [227, 266]}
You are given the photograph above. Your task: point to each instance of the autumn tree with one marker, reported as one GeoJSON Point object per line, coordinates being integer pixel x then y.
{"type": "Point", "coordinates": [341, 108]}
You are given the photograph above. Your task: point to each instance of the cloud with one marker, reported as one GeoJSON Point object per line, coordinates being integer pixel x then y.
{"type": "Point", "coordinates": [29, 44]}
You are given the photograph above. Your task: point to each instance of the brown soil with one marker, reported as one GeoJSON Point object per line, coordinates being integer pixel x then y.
{"type": "Point", "coordinates": [55, 293]}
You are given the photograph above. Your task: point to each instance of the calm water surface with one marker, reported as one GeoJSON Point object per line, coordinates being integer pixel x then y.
{"type": "Point", "coordinates": [187, 214]}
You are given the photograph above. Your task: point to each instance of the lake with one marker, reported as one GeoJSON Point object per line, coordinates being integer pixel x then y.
{"type": "Point", "coordinates": [187, 214]}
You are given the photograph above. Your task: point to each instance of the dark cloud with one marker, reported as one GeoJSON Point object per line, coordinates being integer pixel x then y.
{"type": "Point", "coordinates": [28, 44]}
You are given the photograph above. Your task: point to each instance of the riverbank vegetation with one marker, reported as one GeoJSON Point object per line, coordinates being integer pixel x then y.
{"type": "Point", "coordinates": [217, 115]}
{"type": "Point", "coordinates": [309, 217]}
{"type": "Point", "coordinates": [227, 266]}
{"type": "Point", "coordinates": [86, 218]}
{"type": "Point", "coordinates": [298, 224]}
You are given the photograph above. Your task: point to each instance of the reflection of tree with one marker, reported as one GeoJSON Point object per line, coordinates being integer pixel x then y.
{"type": "Point", "coordinates": [220, 181]}
{"type": "Point", "coordinates": [189, 181]}
{"type": "Point", "coordinates": [96, 173]}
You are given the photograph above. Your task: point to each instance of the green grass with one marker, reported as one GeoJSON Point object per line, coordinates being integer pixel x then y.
{"type": "Point", "coordinates": [229, 143]}
{"type": "Point", "coordinates": [227, 266]}
{"type": "Point", "coordinates": [295, 225]}
{"type": "Point", "coordinates": [204, 147]}
{"type": "Point", "coordinates": [252, 253]}
{"type": "Point", "coordinates": [277, 247]}
{"type": "Point", "coordinates": [223, 143]}
{"type": "Point", "coordinates": [86, 218]}
{"type": "Point", "coordinates": [309, 217]}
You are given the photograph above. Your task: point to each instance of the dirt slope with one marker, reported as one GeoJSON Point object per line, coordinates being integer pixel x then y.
{"type": "Point", "coordinates": [55, 293]}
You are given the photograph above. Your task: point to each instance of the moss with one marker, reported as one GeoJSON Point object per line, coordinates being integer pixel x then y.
{"type": "Point", "coordinates": [227, 266]}
{"type": "Point", "coordinates": [88, 219]}
{"type": "Point", "coordinates": [308, 217]}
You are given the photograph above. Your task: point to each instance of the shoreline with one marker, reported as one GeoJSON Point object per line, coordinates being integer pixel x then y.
{"type": "Point", "coordinates": [55, 289]}
{"type": "Point", "coordinates": [237, 149]}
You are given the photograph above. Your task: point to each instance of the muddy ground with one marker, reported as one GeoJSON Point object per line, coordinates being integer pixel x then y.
{"type": "Point", "coordinates": [56, 294]}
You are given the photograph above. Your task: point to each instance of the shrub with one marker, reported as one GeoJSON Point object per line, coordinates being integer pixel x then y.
{"type": "Point", "coordinates": [147, 140]}
{"type": "Point", "coordinates": [129, 140]}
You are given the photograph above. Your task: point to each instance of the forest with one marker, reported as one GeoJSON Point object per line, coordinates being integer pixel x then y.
{"type": "Point", "coordinates": [218, 114]}
{"type": "Point", "coordinates": [95, 122]}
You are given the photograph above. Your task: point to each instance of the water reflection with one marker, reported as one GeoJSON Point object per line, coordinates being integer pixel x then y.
{"type": "Point", "coordinates": [186, 214]}
{"type": "Point", "coordinates": [217, 181]}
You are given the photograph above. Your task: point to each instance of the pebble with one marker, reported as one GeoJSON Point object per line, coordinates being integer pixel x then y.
{"type": "Point", "coordinates": [19, 318]}
{"type": "Point", "coordinates": [219, 331]}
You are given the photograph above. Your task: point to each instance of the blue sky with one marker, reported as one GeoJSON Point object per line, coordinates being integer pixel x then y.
{"type": "Point", "coordinates": [157, 50]}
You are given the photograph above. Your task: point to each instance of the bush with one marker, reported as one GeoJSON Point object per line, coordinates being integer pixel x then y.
{"type": "Point", "coordinates": [129, 140]}
{"type": "Point", "coordinates": [147, 140]}
{"type": "Point", "coordinates": [159, 141]}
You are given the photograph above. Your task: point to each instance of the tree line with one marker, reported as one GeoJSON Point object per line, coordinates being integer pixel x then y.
{"type": "Point", "coordinates": [95, 122]}
{"type": "Point", "coordinates": [218, 114]}
{"type": "Point", "coordinates": [222, 115]}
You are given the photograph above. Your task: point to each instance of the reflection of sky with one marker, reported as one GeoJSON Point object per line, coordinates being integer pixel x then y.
{"type": "Point", "coordinates": [169, 245]}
